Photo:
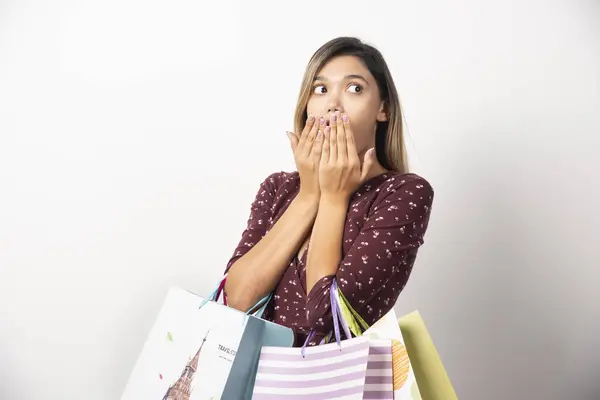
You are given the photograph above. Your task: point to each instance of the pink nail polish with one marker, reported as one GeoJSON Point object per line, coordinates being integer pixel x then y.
{"type": "Point", "coordinates": [345, 118]}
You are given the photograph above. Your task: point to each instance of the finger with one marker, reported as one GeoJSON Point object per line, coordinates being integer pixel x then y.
{"type": "Point", "coordinates": [293, 140]}
{"type": "Point", "coordinates": [312, 135]}
{"type": "Point", "coordinates": [333, 133]}
{"type": "Point", "coordinates": [325, 151]}
{"type": "Point", "coordinates": [310, 122]}
{"type": "Point", "coordinates": [341, 142]}
{"type": "Point", "coordinates": [318, 147]}
{"type": "Point", "coordinates": [333, 145]}
{"type": "Point", "coordinates": [350, 143]}
{"type": "Point", "coordinates": [368, 163]}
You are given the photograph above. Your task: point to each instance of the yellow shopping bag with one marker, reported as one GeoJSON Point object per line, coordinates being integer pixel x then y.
{"type": "Point", "coordinates": [434, 382]}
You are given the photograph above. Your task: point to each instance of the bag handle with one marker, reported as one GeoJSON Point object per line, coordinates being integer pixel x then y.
{"type": "Point", "coordinates": [257, 311]}
{"type": "Point", "coordinates": [338, 318]}
{"type": "Point", "coordinates": [262, 303]}
{"type": "Point", "coordinates": [214, 296]}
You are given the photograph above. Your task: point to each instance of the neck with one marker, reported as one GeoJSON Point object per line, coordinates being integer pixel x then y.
{"type": "Point", "coordinates": [376, 169]}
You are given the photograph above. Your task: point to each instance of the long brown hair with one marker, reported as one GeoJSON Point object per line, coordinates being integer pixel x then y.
{"type": "Point", "coordinates": [389, 135]}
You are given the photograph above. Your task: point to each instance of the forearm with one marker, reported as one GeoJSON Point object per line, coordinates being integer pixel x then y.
{"type": "Point", "coordinates": [325, 250]}
{"type": "Point", "coordinates": [257, 273]}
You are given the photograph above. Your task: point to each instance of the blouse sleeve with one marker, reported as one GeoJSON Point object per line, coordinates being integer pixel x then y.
{"type": "Point", "coordinates": [377, 266]}
{"type": "Point", "coordinates": [261, 215]}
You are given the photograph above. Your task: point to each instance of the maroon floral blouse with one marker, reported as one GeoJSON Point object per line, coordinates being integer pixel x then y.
{"type": "Point", "coordinates": [385, 225]}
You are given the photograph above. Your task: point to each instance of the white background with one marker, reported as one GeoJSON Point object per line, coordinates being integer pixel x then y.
{"type": "Point", "coordinates": [134, 135]}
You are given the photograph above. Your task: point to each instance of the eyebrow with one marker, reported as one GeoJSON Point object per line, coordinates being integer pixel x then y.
{"type": "Point", "coordinates": [347, 77]}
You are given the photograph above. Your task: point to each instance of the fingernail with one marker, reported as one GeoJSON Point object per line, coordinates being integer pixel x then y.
{"type": "Point", "coordinates": [345, 118]}
{"type": "Point", "coordinates": [319, 134]}
{"type": "Point", "coordinates": [322, 121]}
{"type": "Point", "coordinates": [311, 118]}
{"type": "Point", "coordinates": [327, 129]}
{"type": "Point", "coordinates": [333, 118]}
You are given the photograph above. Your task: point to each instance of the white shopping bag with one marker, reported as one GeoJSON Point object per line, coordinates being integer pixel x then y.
{"type": "Point", "coordinates": [201, 350]}
{"type": "Point", "coordinates": [387, 327]}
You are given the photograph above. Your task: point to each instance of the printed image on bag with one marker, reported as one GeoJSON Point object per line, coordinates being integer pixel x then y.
{"type": "Point", "coordinates": [199, 350]}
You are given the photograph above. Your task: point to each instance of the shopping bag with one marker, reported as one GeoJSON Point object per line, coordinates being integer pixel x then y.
{"type": "Point", "coordinates": [199, 349]}
{"type": "Point", "coordinates": [342, 369]}
{"type": "Point", "coordinates": [323, 372]}
{"type": "Point", "coordinates": [434, 383]}
{"type": "Point", "coordinates": [379, 381]}
{"type": "Point", "coordinates": [405, 385]}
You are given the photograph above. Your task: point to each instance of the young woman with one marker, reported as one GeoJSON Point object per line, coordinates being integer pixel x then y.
{"type": "Point", "coordinates": [352, 210]}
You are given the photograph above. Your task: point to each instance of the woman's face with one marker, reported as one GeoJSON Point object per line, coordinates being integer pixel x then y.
{"type": "Point", "coordinates": [344, 84]}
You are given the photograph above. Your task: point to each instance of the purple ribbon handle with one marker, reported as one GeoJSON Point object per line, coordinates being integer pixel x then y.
{"type": "Point", "coordinates": [337, 319]}
{"type": "Point", "coordinates": [345, 327]}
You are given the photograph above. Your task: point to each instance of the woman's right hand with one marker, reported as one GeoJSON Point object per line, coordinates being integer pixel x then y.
{"type": "Point", "coordinates": [307, 154]}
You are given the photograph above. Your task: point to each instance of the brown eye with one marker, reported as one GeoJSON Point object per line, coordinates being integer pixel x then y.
{"type": "Point", "coordinates": [357, 88]}
{"type": "Point", "coordinates": [319, 89]}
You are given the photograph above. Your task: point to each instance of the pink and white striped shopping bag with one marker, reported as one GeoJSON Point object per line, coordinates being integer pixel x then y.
{"type": "Point", "coordinates": [379, 382]}
{"type": "Point", "coordinates": [325, 372]}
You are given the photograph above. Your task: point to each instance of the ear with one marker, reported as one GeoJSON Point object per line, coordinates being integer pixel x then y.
{"type": "Point", "coordinates": [382, 115]}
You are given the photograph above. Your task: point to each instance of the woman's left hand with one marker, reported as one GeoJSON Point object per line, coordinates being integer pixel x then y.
{"type": "Point", "coordinates": [340, 169]}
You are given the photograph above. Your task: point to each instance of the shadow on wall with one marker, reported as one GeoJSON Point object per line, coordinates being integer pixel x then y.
{"type": "Point", "coordinates": [494, 325]}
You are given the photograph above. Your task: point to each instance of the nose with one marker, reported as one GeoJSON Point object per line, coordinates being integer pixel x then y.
{"type": "Point", "coordinates": [334, 103]}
